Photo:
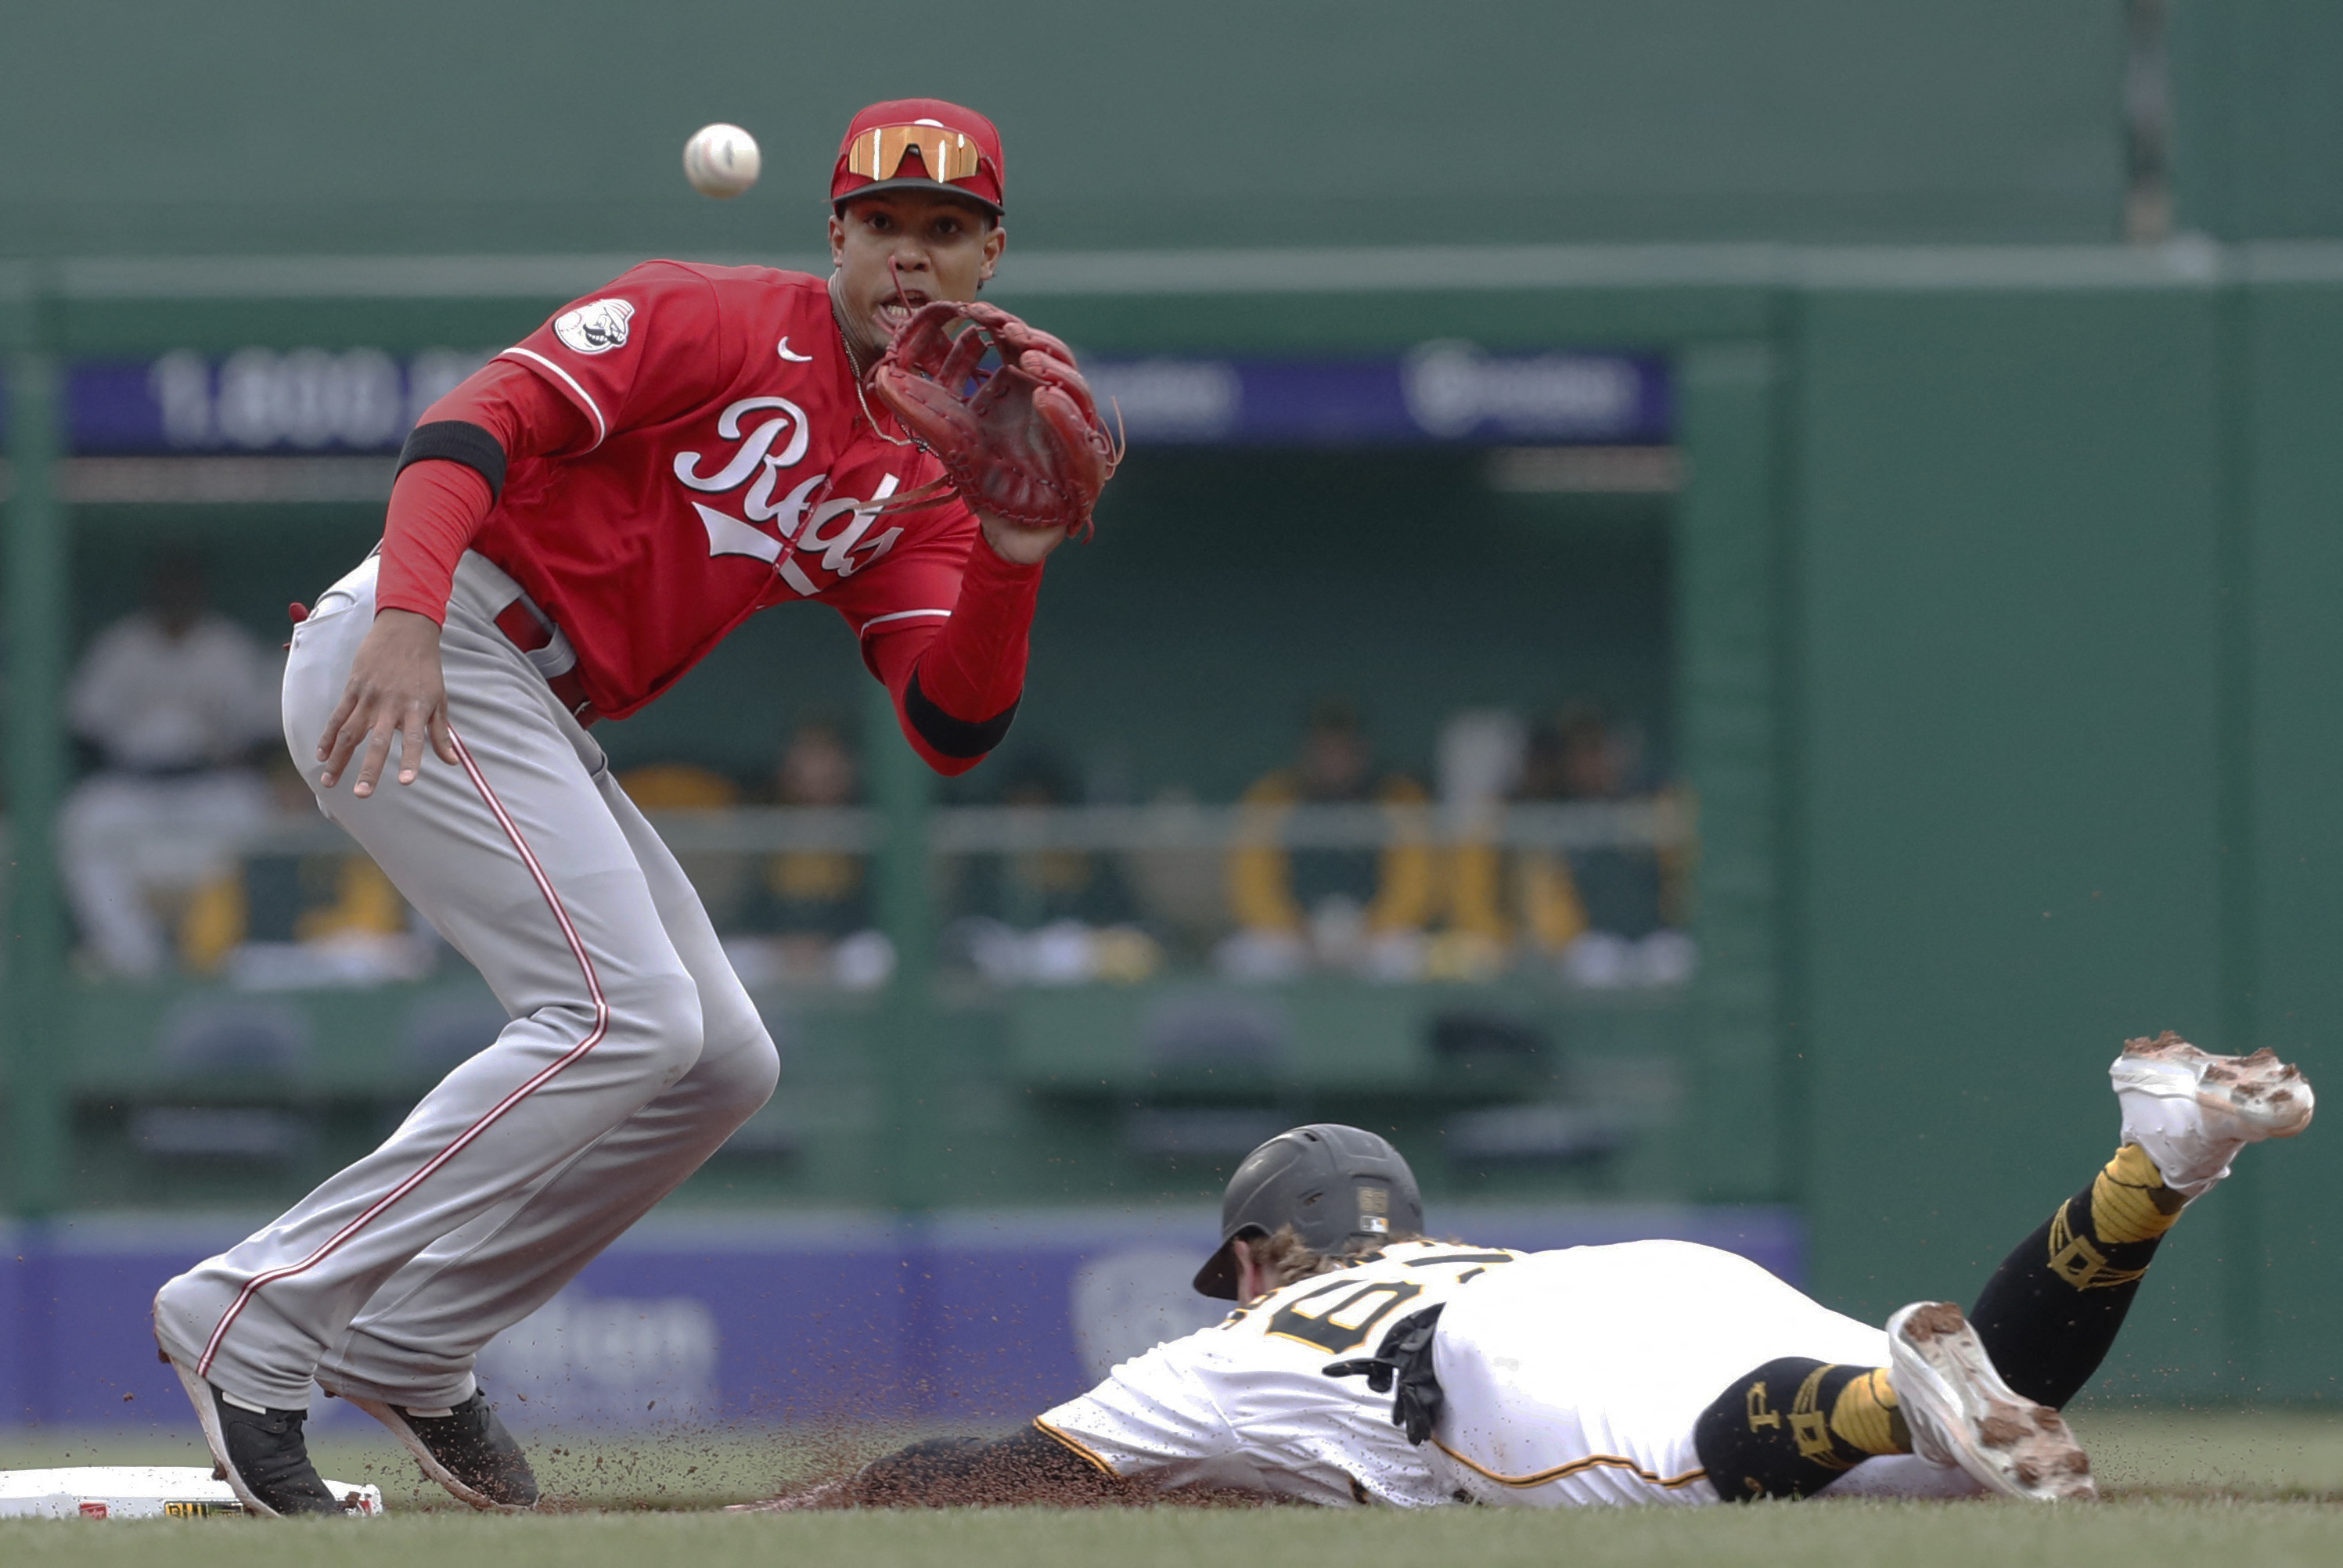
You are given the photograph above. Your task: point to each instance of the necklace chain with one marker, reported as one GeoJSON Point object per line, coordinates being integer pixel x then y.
{"type": "Point", "coordinates": [853, 363]}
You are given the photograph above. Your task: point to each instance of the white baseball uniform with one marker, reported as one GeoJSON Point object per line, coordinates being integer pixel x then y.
{"type": "Point", "coordinates": [1572, 1378]}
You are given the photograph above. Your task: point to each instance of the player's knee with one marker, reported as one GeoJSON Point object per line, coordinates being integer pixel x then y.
{"type": "Point", "coordinates": [738, 1068]}
{"type": "Point", "coordinates": [751, 1070]}
{"type": "Point", "coordinates": [175, 1295]}
{"type": "Point", "coordinates": [658, 1015]}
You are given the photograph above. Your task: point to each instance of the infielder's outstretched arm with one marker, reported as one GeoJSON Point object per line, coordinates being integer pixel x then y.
{"type": "Point", "coordinates": [957, 682]}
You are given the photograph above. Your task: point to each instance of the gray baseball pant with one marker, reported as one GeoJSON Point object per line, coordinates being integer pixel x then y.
{"type": "Point", "coordinates": [632, 1053]}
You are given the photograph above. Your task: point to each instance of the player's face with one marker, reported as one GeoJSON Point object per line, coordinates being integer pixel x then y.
{"type": "Point", "coordinates": [940, 248]}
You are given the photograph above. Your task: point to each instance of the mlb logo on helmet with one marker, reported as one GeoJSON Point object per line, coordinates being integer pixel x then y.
{"type": "Point", "coordinates": [922, 144]}
{"type": "Point", "coordinates": [1375, 1209]}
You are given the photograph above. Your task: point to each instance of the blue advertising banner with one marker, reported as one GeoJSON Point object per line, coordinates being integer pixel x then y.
{"type": "Point", "coordinates": [258, 400]}
{"type": "Point", "coordinates": [987, 1319]}
{"type": "Point", "coordinates": [353, 400]}
{"type": "Point", "coordinates": [1443, 392]}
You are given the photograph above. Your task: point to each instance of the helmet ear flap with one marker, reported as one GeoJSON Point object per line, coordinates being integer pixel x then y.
{"type": "Point", "coordinates": [1219, 1277]}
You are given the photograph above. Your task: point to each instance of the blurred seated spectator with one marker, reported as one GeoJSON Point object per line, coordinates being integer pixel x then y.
{"type": "Point", "coordinates": [1608, 914]}
{"type": "Point", "coordinates": [1182, 888]}
{"type": "Point", "coordinates": [678, 786]}
{"type": "Point", "coordinates": [807, 915]}
{"type": "Point", "coordinates": [1031, 888]}
{"type": "Point", "coordinates": [1480, 758]}
{"type": "Point", "coordinates": [721, 881]}
{"type": "Point", "coordinates": [1362, 907]}
{"type": "Point", "coordinates": [1050, 916]}
{"type": "Point", "coordinates": [175, 701]}
{"type": "Point", "coordinates": [281, 921]}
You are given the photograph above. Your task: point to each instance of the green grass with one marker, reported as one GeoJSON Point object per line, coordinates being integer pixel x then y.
{"type": "Point", "coordinates": [2201, 1490]}
{"type": "Point", "coordinates": [1907, 1535]}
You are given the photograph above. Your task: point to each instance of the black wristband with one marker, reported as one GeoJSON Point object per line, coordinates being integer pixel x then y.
{"type": "Point", "coordinates": [954, 737]}
{"type": "Point", "coordinates": [457, 441]}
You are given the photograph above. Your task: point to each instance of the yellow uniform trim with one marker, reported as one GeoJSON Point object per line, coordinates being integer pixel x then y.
{"type": "Point", "coordinates": [1407, 873]}
{"type": "Point", "coordinates": [1076, 1446]}
{"type": "Point", "coordinates": [2075, 1260]}
{"type": "Point", "coordinates": [1551, 904]}
{"type": "Point", "coordinates": [1863, 1416]}
{"type": "Point", "coordinates": [1564, 1472]}
{"type": "Point", "coordinates": [1259, 876]}
{"type": "Point", "coordinates": [2129, 1201]}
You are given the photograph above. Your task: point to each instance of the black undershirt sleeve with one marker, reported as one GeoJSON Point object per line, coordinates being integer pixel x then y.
{"type": "Point", "coordinates": [457, 441]}
{"type": "Point", "coordinates": [952, 736]}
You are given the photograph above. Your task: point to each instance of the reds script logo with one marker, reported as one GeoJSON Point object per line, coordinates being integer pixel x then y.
{"type": "Point", "coordinates": [594, 328]}
{"type": "Point", "coordinates": [846, 548]}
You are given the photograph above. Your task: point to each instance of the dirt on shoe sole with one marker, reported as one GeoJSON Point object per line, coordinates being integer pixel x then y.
{"type": "Point", "coordinates": [2028, 1447]}
{"type": "Point", "coordinates": [2267, 1097]}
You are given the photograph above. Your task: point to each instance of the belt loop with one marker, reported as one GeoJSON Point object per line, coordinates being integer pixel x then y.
{"type": "Point", "coordinates": [527, 629]}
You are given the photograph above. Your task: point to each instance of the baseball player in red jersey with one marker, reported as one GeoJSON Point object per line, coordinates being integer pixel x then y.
{"type": "Point", "coordinates": [572, 529]}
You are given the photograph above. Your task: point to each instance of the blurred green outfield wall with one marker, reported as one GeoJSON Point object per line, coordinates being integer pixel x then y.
{"type": "Point", "coordinates": [2008, 655]}
{"type": "Point", "coordinates": [2290, 950]}
{"type": "Point", "coordinates": [2008, 764]}
{"type": "Point", "coordinates": [2009, 609]}
{"type": "Point", "coordinates": [256, 126]}
{"type": "Point", "coordinates": [2066, 570]}
{"type": "Point", "coordinates": [2258, 126]}
{"type": "Point", "coordinates": [457, 125]}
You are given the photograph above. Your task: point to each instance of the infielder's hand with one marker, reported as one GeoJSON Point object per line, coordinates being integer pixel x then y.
{"type": "Point", "coordinates": [1024, 544]}
{"type": "Point", "coordinates": [395, 687]}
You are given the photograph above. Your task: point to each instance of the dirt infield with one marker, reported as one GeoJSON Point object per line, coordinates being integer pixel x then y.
{"type": "Point", "coordinates": [2184, 1489]}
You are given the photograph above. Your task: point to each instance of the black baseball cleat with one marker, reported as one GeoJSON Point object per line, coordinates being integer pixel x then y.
{"type": "Point", "coordinates": [259, 1452]}
{"type": "Point", "coordinates": [466, 1450]}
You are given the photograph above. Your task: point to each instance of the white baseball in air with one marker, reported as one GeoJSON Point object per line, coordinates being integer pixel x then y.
{"type": "Point", "coordinates": [721, 161]}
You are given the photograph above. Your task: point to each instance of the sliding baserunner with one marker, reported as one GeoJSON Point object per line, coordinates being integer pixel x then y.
{"type": "Point", "coordinates": [1366, 1365]}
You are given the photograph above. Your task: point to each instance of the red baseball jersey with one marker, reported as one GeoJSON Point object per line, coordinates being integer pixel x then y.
{"type": "Point", "coordinates": [734, 466]}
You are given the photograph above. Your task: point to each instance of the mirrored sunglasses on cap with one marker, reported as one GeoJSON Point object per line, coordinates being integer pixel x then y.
{"type": "Point", "coordinates": [948, 154]}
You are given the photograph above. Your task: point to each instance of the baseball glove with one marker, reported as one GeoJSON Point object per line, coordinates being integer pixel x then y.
{"type": "Point", "coordinates": [1023, 441]}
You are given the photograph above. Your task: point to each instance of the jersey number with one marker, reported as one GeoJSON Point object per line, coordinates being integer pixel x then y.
{"type": "Point", "coordinates": [1339, 1317]}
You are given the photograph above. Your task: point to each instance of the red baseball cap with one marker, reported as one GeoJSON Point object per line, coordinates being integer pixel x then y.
{"type": "Point", "coordinates": [920, 143]}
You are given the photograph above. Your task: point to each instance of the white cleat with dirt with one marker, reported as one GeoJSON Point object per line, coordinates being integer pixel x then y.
{"type": "Point", "coordinates": [1962, 1414]}
{"type": "Point", "coordinates": [2191, 1111]}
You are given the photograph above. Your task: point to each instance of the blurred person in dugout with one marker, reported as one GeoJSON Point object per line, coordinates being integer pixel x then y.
{"type": "Point", "coordinates": [662, 788]}
{"type": "Point", "coordinates": [176, 701]}
{"type": "Point", "coordinates": [1357, 907]}
{"type": "Point", "coordinates": [807, 916]}
{"type": "Point", "coordinates": [275, 921]}
{"type": "Point", "coordinates": [1608, 916]}
{"type": "Point", "coordinates": [1050, 916]}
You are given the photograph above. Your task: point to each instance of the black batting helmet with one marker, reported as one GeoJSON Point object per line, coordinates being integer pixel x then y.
{"type": "Point", "coordinates": [1334, 1184]}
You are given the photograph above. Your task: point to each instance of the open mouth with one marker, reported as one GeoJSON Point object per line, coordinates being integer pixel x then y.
{"type": "Point", "coordinates": [891, 312]}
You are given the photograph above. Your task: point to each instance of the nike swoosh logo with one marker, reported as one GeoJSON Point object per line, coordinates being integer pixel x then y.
{"type": "Point", "coordinates": [794, 358]}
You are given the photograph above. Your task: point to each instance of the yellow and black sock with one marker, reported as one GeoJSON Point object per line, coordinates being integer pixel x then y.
{"type": "Point", "coordinates": [1794, 1426]}
{"type": "Point", "coordinates": [2052, 1309]}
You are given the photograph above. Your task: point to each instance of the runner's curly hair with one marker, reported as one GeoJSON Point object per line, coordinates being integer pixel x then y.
{"type": "Point", "coordinates": [1286, 1257]}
